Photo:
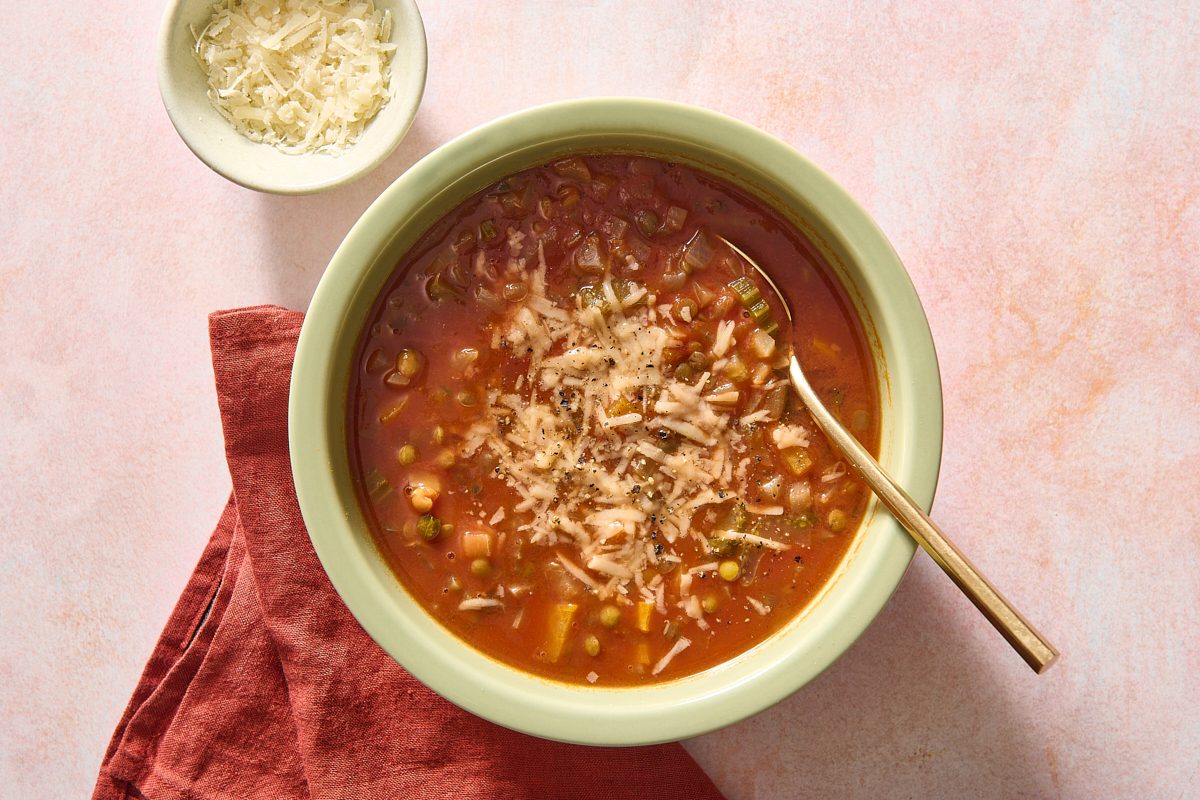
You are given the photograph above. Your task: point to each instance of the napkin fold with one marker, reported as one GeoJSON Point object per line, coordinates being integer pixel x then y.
{"type": "Point", "coordinates": [263, 685]}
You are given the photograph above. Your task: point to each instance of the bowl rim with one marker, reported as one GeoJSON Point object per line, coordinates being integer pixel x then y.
{"type": "Point", "coordinates": [215, 158]}
{"type": "Point", "coordinates": [625, 715]}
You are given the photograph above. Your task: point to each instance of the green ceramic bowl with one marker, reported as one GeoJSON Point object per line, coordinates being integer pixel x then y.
{"type": "Point", "coordinates": [910, 392]}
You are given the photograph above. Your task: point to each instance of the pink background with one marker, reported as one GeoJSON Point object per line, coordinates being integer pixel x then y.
{"type": "Point", "coordinates": [1036, 169]}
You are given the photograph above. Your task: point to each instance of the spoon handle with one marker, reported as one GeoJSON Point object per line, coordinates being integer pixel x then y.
{"type": "Point", "coordinates": [1031, 645]}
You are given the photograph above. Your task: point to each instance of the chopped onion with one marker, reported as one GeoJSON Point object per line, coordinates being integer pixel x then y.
{"type": "Point", "coordinates": [800, 496]}
{"type": "Point", "coordinates": [773, 488]}
{"type": "Point", "coordinates": [464, 358]}
{"type": "Point", "coordinates": [698, 253]}
{"type": "Point", "coordinates": [674, 219]}
{"type": "Point", "coordinates": [589, 257]}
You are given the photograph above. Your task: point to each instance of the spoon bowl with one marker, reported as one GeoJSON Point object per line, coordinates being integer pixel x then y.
{"type": "Point", "coordinates": [1037, 652]}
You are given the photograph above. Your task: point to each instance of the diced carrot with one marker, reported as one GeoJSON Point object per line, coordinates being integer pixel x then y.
{"type": "Point", "coordinates": [643, 616]}
{"type": "Point", "coordinates": [561, 617]}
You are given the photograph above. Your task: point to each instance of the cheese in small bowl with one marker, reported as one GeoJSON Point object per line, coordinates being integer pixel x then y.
{"type": "Point", "coordinates": [294, 97]}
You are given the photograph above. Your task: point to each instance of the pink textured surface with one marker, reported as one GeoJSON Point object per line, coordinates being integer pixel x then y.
{"type": "Point", "coordinates": [1034, 165]}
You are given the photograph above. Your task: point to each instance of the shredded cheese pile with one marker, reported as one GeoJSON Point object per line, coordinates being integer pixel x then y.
{"type": "Point", "coordinates": [302, 75]}
{"type": "Point", "coordinates": [607, 491]}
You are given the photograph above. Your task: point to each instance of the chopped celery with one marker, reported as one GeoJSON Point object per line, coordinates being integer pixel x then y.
{"type": "Point", "coordinates": [753, 301]}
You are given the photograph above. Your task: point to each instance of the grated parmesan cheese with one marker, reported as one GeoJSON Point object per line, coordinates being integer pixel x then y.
{"type": "Point", "coordinates": [760, 608]}
{"type": "Point", "coordinates": [681, 644]}
{"type": "Point", "coordinates": [786, 436]}
{"type": "Point", "coordinates": [750, 538]}
{"type": "Point", "coordinates": [577, 422]}
{"type": "Point", "coordinates": [478, 603]}
{"type": "Point", "coordinates": [301, 75]}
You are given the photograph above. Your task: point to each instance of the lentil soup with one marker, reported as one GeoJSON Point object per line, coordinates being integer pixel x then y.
{"type": "Point", "coordinates": [572, 431]}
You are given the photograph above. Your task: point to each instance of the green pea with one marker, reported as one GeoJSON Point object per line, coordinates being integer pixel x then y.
{"type": "Point", "coordinates": [729, 570]}
{"type": "Point", "coordinates": [610, 615]}
{"type": "Point", "coordinates": [407, 454]}
{"type": "Point", "coordinates": [592, 645]}
{"type": "Point", "coordinates": [429, 527]}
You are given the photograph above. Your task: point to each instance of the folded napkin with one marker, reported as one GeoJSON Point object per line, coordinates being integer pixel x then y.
{"type": "Point", "coordinates": [264, 686]}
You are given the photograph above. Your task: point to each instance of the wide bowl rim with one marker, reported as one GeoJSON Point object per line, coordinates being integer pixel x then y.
{"type": "Point", "coordinates": [612, 716]}
{"type": "Point", "coordinates": [319, 171]}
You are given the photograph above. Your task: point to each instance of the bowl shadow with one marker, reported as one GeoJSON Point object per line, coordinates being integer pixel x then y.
{"type": "Point", "coordinates": [929, 702]}
{"type": "Point", "coordinates": [305, 230]}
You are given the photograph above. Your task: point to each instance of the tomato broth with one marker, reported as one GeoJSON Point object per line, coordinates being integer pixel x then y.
{"type": "Point", "coordinates": [571, 427]}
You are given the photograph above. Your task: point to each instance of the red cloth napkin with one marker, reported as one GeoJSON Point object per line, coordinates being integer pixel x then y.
{"type": "Point", "coordinates": [264, 686]}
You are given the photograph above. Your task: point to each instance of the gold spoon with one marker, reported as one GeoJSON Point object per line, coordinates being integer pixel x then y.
{"type": "Point", "coordinates": [1031, 645]}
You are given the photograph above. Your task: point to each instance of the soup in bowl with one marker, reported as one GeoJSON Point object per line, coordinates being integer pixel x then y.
{"type": "Point", "coordinates": [543, 439]}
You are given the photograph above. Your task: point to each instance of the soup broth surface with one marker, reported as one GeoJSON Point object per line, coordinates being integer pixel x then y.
{"type": "Point", "coordinates": [572, 430]}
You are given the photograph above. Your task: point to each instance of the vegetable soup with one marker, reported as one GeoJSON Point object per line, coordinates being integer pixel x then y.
{"type": "Point", "coordinates": [572, 429]}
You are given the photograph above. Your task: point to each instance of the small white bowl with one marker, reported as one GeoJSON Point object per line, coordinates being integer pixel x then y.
{"type": "Point", "coordinates": [184, 89]}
